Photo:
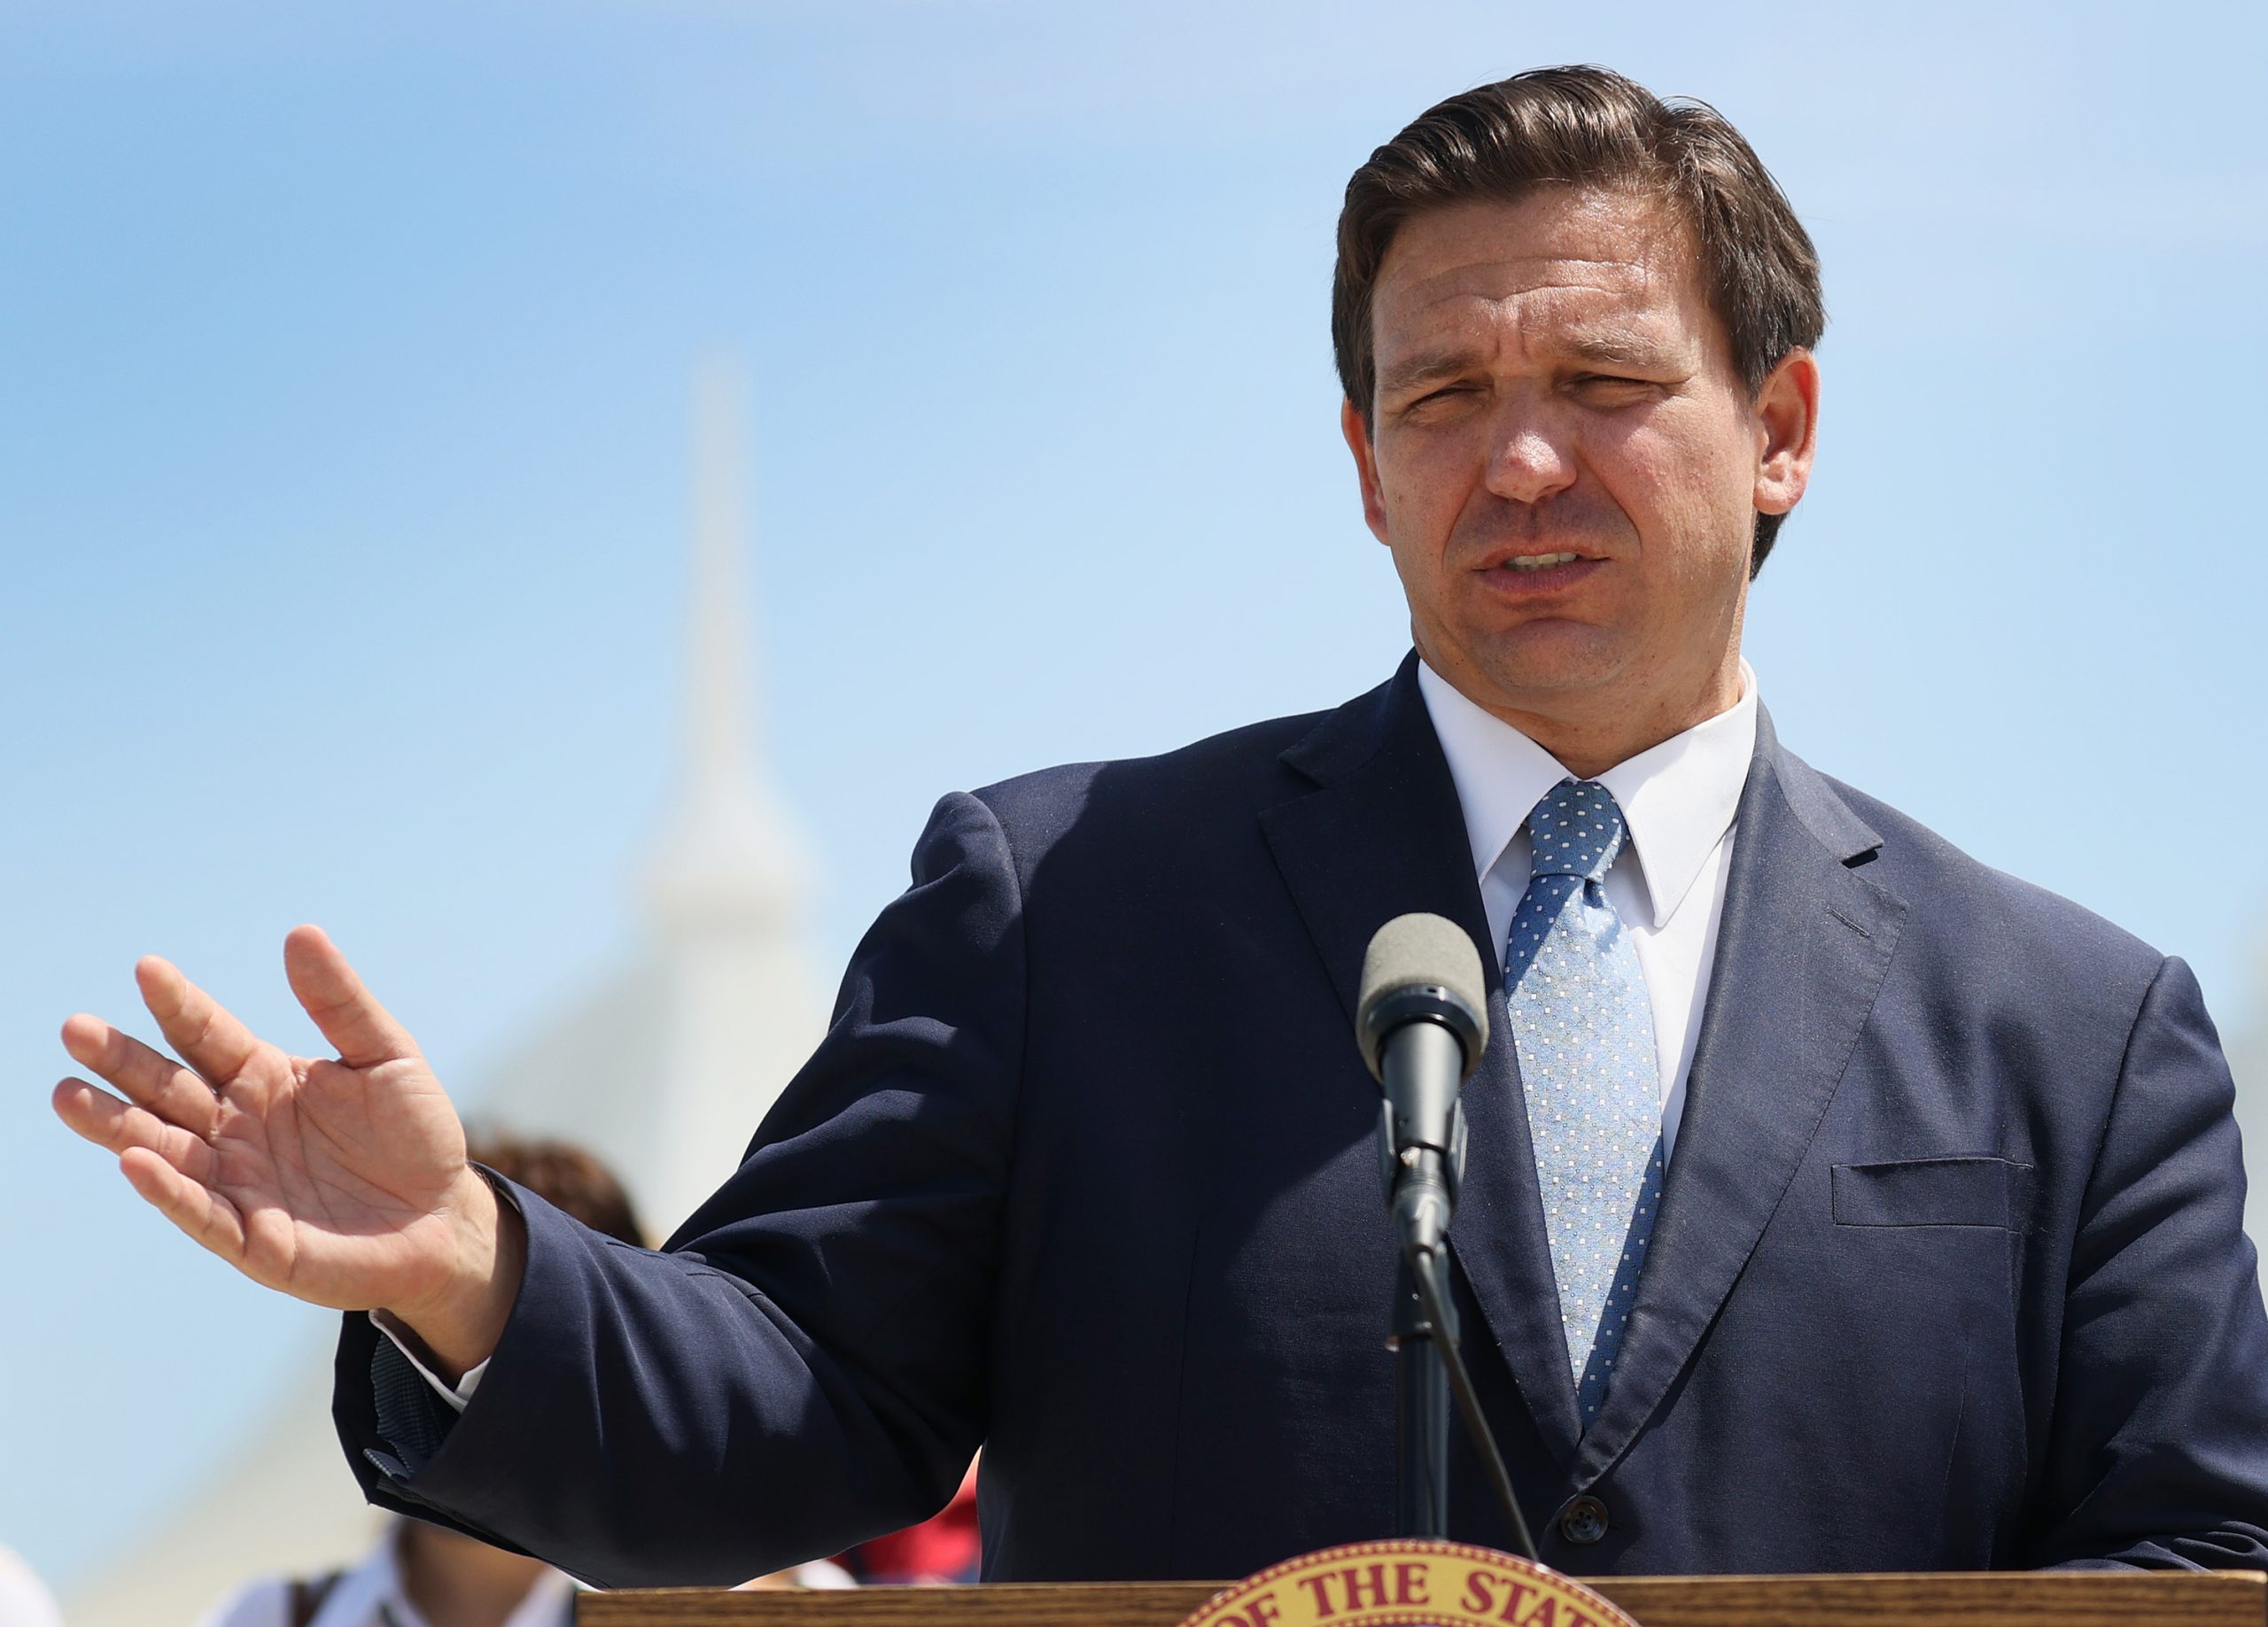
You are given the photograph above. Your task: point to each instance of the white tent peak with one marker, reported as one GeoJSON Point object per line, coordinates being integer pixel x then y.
{"type": "Point", "coordinates": [729, 849]}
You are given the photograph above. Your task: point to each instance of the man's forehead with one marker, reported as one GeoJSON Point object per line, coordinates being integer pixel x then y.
{"type": "Point", "coordinates": [1559, 236]}
{"type": "Point", "coordinates": [1580, 311]}
{"type": "Point", "coordinates": [1606, 268]}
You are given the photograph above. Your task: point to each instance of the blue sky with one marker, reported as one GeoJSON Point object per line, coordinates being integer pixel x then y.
{"type": "Point", "coordinates": [344, 360]}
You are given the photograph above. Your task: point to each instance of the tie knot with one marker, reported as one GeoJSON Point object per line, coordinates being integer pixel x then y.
{"type": "Point", "coordinates": [1576, 830]}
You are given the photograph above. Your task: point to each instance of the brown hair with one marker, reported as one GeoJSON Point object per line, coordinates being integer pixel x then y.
{"type": "Point", "coordinates": [1589, 127]}
{"type": "Point", "coordinates": [564, 1176]}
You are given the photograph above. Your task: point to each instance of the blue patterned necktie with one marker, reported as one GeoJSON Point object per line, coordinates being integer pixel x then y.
{"type": "Point", "coordinates": [1584, 1034]}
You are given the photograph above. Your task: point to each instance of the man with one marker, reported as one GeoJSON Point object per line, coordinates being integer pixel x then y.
{"type": "Point", "coordinates": [1833, 1202]}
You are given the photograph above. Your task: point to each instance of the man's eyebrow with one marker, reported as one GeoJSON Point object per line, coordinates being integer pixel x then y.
{"type": "Point", "coordinates": [1424, 368]}
{"type": "Point", "coordinates": [1606, 348]}
{"type": "Point", "coordinates": [1619, 349]}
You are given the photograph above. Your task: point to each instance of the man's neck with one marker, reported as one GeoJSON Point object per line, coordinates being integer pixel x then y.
{"type": "Point", "coordinates": [1590, 734]}
{"type": "Point", "coordinates": [457, 1582]}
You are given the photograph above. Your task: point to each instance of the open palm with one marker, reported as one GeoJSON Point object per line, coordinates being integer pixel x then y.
{"type": "Point", "coordinates": [341, 1182]}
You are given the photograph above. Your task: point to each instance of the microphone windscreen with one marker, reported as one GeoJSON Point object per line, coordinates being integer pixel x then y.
{"type": "Point", "coordinates": [1420, 951]}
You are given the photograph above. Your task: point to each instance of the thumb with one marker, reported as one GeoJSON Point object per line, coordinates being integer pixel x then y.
{"type": "Point", "coordinates": [364, 1033]}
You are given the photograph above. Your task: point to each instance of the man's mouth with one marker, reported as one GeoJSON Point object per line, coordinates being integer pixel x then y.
{"type": "Point", "coordinates": [1529, 578]}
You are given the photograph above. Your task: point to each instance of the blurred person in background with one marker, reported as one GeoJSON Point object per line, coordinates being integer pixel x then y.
{"type": "Point", "coordinates": [421, 1575]}
{"type": "Point", "coordinates": [24, 1598]}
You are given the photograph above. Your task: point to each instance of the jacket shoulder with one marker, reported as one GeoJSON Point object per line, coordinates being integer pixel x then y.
{"type": "Point", "coordinates": [2003, 916]}
{"type": "Point", "coordinates": [1237, 771]}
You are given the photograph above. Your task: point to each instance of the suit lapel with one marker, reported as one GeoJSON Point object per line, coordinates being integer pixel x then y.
{"type": "Point", "coordinates": [1801, 952]}
{"type": "Point", "coordinates": [1384, 835]}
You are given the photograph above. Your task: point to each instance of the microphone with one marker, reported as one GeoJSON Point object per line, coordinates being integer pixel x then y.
{"type": "Point", "coordinates": [1422, 1024]}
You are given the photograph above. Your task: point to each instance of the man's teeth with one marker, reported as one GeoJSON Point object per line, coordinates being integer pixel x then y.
{"type": "Point", "coordinates": [1538, 562]}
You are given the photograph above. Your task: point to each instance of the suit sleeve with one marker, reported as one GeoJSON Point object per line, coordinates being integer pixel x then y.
{"type": "Point", "coordinates": [803, 1367]}
{"type": "Point", "coordinates": [2158, 1454]}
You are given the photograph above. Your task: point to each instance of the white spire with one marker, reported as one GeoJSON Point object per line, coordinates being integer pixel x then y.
{"type": "Point", "coordinates": [738, 1013]}
{"type": "Point", "coordinates": [729, 849]}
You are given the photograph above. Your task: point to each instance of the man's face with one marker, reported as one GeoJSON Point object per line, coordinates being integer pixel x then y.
{"type": "Point", "coordinates": [1566, 464]}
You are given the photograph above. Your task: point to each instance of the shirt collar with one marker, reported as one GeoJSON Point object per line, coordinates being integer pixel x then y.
{"type": "Point", "coordinates": [1678, 798]}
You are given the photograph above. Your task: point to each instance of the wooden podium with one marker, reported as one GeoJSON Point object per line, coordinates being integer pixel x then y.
{"type": "Point", "coordinates": [2065, 1598]}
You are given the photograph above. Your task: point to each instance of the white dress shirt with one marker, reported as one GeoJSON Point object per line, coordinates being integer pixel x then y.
{"type": "Point", "coordinates": [1678, 800]}
{"type": "Point", "coordinates": [371, 1595]}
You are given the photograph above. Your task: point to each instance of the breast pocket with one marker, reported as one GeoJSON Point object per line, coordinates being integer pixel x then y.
{"type": "Point", "coordinates": [1954, 1191]}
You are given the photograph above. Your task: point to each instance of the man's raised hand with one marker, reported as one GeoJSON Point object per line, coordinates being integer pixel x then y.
{"type": "Point", "coordinates": [341, 1182]}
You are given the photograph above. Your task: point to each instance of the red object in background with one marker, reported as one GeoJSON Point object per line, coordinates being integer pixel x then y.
{"type": "Point", "coordinates": [945, 1548]}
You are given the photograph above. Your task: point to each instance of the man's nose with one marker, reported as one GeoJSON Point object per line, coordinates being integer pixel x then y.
{"type": "Point", "coordinates": [1529, 459]}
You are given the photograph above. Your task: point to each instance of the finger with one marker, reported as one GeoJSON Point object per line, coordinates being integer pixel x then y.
{"type": "Point", "coordinates": [343, 1009]}
{"type": "Point", "coordinates": [196, 1025]}
{"type": "Point", "coordinates": [207, 1216]}
{"type": "Point", "coordinates": [157, 1083]}
{"type": "Point", "coordinates": [102, 1119]}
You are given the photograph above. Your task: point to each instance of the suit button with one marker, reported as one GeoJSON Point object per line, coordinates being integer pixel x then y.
{"type": "Point", "coordinates": [1583, 1520]}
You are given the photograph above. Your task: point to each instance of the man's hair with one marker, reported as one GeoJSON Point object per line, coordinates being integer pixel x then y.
{"type": "Point", "coordinates": [1589, 127]}
{"type": "Point", "coordinates": [564, 1176]}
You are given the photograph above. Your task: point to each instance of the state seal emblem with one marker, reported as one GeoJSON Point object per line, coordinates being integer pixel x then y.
{"type": "Point", "coordinates": [1413, 1583]}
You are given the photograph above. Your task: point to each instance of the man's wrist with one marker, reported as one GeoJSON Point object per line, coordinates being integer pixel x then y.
{"type": "Point", "coordinates": [460, 1327]}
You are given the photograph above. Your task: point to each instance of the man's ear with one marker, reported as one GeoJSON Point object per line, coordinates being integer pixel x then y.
{"type": "Point", "coordinates": [1366, 466]}
{"type": "Point", "coordinates": [1787, 431]}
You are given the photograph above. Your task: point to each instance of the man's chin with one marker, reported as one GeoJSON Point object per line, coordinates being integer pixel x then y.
{"type": "Point", "coordinates": [1544, 660]}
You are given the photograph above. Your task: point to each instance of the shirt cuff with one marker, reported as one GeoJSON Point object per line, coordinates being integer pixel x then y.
{"type": "Point", "coordinates": [457, 1394]}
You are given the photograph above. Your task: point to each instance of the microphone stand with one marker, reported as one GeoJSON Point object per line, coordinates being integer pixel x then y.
{"type": "Point", "coordinates": [1421, 1157]}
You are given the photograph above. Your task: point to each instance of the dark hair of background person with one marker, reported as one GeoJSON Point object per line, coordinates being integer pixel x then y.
{"type": "Point", "coordinates": [563, 1175]}
{"type": "Point", "coordinates": [1589, 127]}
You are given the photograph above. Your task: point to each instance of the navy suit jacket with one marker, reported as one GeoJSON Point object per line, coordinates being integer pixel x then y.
{"type": "Point", "coordinates": [1948, 1272]}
